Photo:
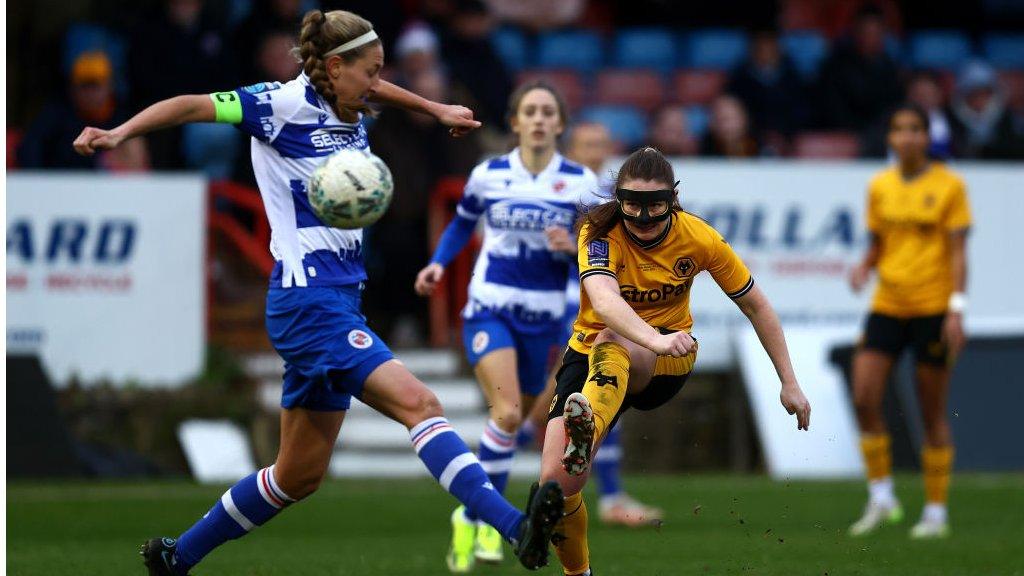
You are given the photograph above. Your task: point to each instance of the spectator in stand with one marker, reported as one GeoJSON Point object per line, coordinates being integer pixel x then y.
{"type": "Point", "coordinates": [178, 50]}
{"type": "Point", "coordinates": [416, 50]}
{"type": "Point", "coordinates": [770, 88]}
{"type": "Point", "coordinates": [591, 144]}
{"type": "Point", "coordinates": [729, 132]}
{"type": "Point", "coordinates": [669, 132]}
{"type": "Point", "coordinates": [981, 121]}
{"type": "Point", "coordinates": [90, 101]}
{"type": "Point", "coordinates": [859, 80]}
{"type": "Point", "coordinates": [265, 20]}
{"type": "Point", "coordinates": [419, 152]}
{"type": "Point", "coordinates": [474, 66]}
{"type": "Point", "coordinates": [924, 91]}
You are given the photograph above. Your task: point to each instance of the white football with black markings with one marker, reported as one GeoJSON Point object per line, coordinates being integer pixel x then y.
{"type": "Point", "coordinates": [351, 190]}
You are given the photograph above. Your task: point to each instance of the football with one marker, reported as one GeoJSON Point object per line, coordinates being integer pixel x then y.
{"type": "Point", "coordinates": [351, 190]}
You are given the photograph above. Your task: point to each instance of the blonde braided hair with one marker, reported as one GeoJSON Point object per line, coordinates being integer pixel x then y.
{"type": "Point", "coordinates": [322, 32]}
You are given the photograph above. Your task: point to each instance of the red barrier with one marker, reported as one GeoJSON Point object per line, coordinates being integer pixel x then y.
{"type": "Point", "coordinates": [253, 245]}
{"type": "Point", "coordinates": [450, 297]}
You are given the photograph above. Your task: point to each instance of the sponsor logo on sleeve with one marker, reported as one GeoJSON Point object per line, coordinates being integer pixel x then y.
{"type": "Point", "coordinates": [597, 253]}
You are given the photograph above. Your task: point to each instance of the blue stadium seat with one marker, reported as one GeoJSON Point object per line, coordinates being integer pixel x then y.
{"type": "Point", "coordinates": [510, 44]}
{"type": "Point", "coordinates": [627, 124]}
{"type": "Point", "coordinates": [1004, 51]}
{"type": "Point", "coordinates": [577, 49]}
{"type": "Point", "coordinates": [653, 48]}
{"type": "Point", "coordinates": [697, 120]}
{"type": "Point", "coordinates": [211, 148]}
{"type": "Point", "coordinates": [806, 49]}
{"type": "Point", "coordinates": [939, 49]}
{"type": "Point", "coordinates": [717, 49]}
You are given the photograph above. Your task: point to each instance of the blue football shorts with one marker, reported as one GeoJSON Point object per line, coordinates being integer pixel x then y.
{"type": "Point", "coordinates": [328, 349]}
{"type": "Point", "coordinates": [535, 350]}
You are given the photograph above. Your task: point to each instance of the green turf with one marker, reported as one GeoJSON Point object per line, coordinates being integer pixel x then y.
{"type": "Point", "coordinates": [715, 525]}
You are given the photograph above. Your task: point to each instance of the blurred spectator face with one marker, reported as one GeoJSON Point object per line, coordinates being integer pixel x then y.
{"type": "Point", "coordinates": [537, 121]}
{"type": "Point", "coordinates": [925, 92]}
{"type": "Point", "coordinates": [91, 90]}
{"type": "Point", "coordinates": [980, 99]}
{"type": "Point", "coordinates": [728, 119]}
{"type": "Point", "coordinates": [416, 50]}
{"type": "Point", "coordinates": [184, 13]}
{"type": "Point", "coordinates": [977, 86]}
{"type": "Point", "coordinates": [431, 84]}
{"type": "Point", "coordinates": [869, 35]}
{"type": "Point", "coordinates": [670, 132]}
{"type": "Point", "coordinates": [908, 136]}
{"type": "Point", "coordinates": [764, 51]}
{"type": "Point", "coordinates": [275, 60]}
{"type": "Point", "coordinates": [591, 145]}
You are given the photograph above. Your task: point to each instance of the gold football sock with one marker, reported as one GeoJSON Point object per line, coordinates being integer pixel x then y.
{"type": "Point", "coordinates": [937, 465]}
{"type": "Point", "coordinates": [573, 551]}
{"type": "Point", "coordinates": [606, 383]}
{"type": "Point", "coordinates": [877, 455]}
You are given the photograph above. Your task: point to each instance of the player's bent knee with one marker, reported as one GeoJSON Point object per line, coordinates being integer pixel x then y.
{"type": "Point", "coordinates": [608, 335]}
{"type": "Point", "coordinates": [418, 405]}
{"type": "Point", "coordinates": [300, 483]}
{"type": "Point", "coordinates": [508, 418]}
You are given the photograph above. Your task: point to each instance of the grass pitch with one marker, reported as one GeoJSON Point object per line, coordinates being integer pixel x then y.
{"type": "Point", "coordinates": [714, 525]}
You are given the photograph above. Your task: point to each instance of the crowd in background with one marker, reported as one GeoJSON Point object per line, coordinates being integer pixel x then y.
{"type": "Point", "coordinates": [105, 61]}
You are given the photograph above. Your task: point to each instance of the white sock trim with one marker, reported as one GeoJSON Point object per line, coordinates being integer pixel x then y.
{"type": "Point", "coordinates": [425, 431]}
{"type": "Point", "coordinates": [502, 466]}
{"type": "Point", "coordinates": [457, 464]}
{"type": "Point", "coordinates": [229, 504]}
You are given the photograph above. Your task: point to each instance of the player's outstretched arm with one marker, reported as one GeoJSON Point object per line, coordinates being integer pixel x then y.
{"type": "Point", "coordinates": [603, 291]}
{"type": "Point", "coordinates": [458, 118]}
{"type": "Point", "coordinates": [163, 114]}
{"type": "Point", "coordinates": [754, 304]}
{"type": "Point", "coordinates": [861, 273]}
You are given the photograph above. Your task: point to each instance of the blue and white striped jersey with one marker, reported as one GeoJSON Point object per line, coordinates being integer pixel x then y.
{"type": "Point", "coordinates": [605, 183]}
{"type": "Point", "coordinates": [293, 130]}
{"type": "Point", "coordinates": [516, 276]}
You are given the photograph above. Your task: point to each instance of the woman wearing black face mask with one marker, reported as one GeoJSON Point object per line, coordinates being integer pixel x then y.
{"type": "Point", "coordinates": [631, 346]}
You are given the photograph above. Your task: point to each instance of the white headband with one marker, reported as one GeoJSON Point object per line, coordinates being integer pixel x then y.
{"type": "Point", "coordinates": [354, 43]}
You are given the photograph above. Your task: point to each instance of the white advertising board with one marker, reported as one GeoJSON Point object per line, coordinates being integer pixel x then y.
{"type": "Point", "coordinates": [799, 226]}
{"type": "Point", "coordinates": [105, 275]}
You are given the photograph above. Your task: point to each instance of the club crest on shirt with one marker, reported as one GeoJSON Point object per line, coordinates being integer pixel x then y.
{"type": "Point", "coordinates": [558, 187]}
{"type": "Point", "coordinates": [359, 340]}
{"type": "Point", "coordinates": [683, 267]}
{"type": "Point", "coordinates": [480, 341]}
{"type": "Point", "coordinates": [597, 253]}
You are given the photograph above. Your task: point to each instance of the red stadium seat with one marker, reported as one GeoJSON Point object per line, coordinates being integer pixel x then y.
{"type": "Point", "coordinates": [1012, 82]}
{"type": "Point", "coordinates": [13, 140]}
{"type": "Point", "coordinates": [697, 87]}
{"type": "Point", "coordinates": [643, 89]}
{"type": "Point", "coordinates": [826, 145]}
{"type": "Point", "coordinates": [569, 84]}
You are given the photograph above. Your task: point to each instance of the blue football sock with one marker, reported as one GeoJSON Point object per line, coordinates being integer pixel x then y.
{"type": "Point", "coordinates": [608, 464]}
{"type": "Point", "coordinates": [497, 448]}
{"type": "Point", "coordinates": [250, 503]}
{"type": "Point", "coordinates": [459, 472]}
{"type": "Point", "coordinates": [527, 434]}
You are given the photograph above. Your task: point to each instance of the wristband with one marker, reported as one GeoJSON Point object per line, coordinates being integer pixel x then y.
{"type": "Point", "coordinates": [957, 302]}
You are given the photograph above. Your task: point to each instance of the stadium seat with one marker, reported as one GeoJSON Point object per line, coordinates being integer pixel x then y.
{"type": "Point", "coordinates": [943, 49]}
{"type": "Point", "coordinates": [1013, 83]}
{"type": "Point", "coordinates": [577, 49]}
{"type": "Point", "coordinates": [806, 48]}
{"type": "Point", "coordinates": [653, 48]}
{"type": "Point", "coordinates": [211, 148]}
{"type": "Point", "coordinates": [568, 83]}
{"type": "Point", "coordinates": [511, 46]}
{"type": "Point", "coordinates": [641, 88]}
{"type": "Point", "coordinates": [13, 140]}
{"type": "Point", "coordinates": [716, 49]}
{"type": "Point", "coordinates": [697, 86]}
{"type": "Point", "coordinates": [826, 145]}
{"type": "Point", "coordinates": [697, 120]}
{"type": "Point", "coordinates": [627, 124]}
{"type": "Point", "coordinates": [1004, 51]}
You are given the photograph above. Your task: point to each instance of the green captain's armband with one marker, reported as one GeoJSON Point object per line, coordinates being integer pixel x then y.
{"type": "Point", "coordinates": [227, 106]}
